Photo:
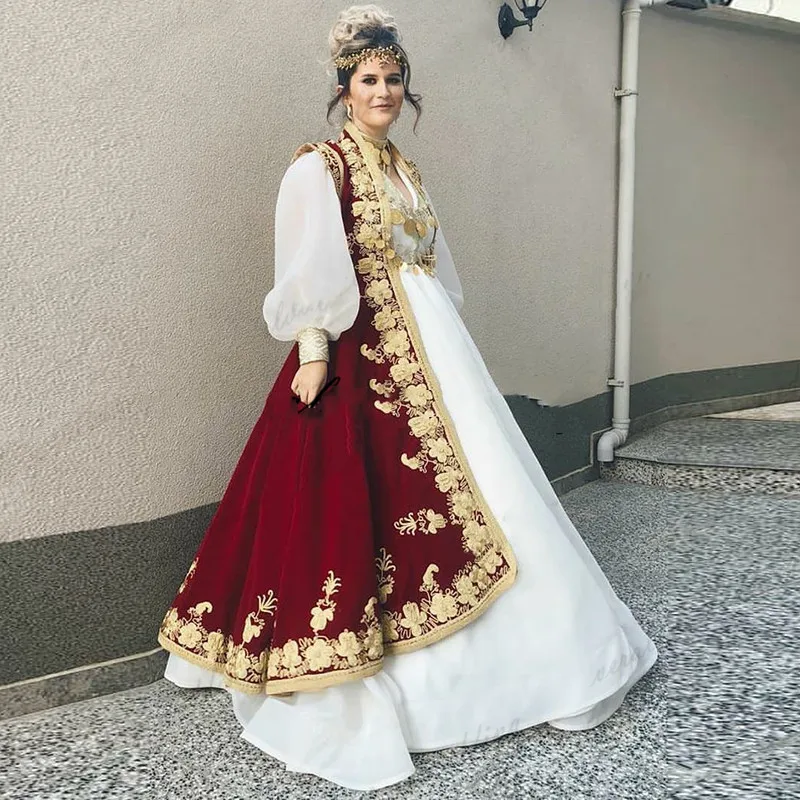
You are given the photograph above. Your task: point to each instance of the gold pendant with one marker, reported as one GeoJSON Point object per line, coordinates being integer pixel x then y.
{"type": "Point", "coordinates": [397, 217]}
{"type": "Point", "coordinates": [422, 229]}
{"type": "Point", "coordinates": [410, 227]}
{"type": "Point", "coordinates": [428, 261]}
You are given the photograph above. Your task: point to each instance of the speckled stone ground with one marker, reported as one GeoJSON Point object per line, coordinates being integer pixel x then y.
{"type": "Point", "coordinates": [713, 579]}
{"type": "Point", "coordinates": [767, 444]}
{"type": "Point", "coordinates": [787, 412]}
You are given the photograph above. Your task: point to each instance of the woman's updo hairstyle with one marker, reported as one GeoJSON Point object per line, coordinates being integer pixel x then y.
{"type": "Point", "coordinates": [365, 27]}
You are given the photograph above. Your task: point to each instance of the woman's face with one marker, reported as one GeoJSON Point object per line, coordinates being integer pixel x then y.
{"type": "Point", "coordinates": [376, 95]}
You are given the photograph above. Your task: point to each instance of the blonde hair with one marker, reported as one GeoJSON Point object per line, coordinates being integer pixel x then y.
{"type": "Point", "coordinates": [344, 33]}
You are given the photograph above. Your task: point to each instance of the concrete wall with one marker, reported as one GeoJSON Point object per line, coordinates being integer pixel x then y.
{"type": "Point", "coordinates": [146, 142]}
{"type": "Point", "coordinates": [717, 240]}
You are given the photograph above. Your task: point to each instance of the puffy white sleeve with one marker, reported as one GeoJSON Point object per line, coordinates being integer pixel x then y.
{"type": "Point", "coordinates": [446, 271]}
{"type": "Point", "coordinates": [315, 282]}
{"type": "Point", "coordinates": [445, 267]}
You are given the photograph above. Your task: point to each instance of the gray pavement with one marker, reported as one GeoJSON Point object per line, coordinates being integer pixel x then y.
{"type": "Point", "coordinates": [720, 442]}
{"type": "Point", "coordinates": [712, 578]}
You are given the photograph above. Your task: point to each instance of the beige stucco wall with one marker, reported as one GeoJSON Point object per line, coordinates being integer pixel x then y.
{"type": "Point", "coordinates": [144, 142]}
{"type": "Point", "coordinates": [717, 240]}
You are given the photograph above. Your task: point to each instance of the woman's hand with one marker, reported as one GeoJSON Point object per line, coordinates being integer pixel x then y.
{"type": "Point", "coordinates": [309, 380]}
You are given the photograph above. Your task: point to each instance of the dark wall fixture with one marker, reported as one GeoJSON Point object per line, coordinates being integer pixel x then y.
{"type": "Point", "coordinates": [508, 22]}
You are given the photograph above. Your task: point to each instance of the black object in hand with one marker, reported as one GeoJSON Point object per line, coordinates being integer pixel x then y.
{"type": "Point", "coordinates": [332, 382]}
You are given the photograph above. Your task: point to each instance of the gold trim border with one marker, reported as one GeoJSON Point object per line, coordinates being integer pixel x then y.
{"type": "Point", "coordinates": [505, 582]}
{"type": "Point", "coordinates": [273, 685]}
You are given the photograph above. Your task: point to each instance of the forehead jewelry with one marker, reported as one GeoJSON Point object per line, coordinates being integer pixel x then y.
{"type": "Point", "coordinates": [385, 54]}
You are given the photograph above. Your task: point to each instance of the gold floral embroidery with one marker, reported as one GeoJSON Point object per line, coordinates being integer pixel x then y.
{"type": "Point", "coordinates": [244, 666]}
{"type": "Point", "coordinates": [426, 521]}
{"type": "Point", "coordinates": [492, 564]}
{"type": "Point", "coordinates": [385, 566]}
{"type": "Point", "coordinates": [189, 574]}
{"type": "Point", "coordinates": [322, 613]}
{"type": "Point", "coordinates": [440, 606]}
{"type": "Point", "coordinates": [384, 389]}
{"type": "Point", "coordinates": [349, 650]}
{"type": "Point", "coordinates": [189, 638]}
{"type": "Point", "coordinates": [254, 623]}
{"type": "Point", "coordinates": [413, 619]}
{"type": "Point", "coordinates": [395, 344]}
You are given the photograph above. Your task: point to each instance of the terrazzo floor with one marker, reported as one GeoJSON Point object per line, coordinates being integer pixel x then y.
{"type": "Point", "coordinates": [713, 579]}
{"type": "Point", "coordinates": [788, 412]}
{"type": "Point", "coordinates": [712, 441]}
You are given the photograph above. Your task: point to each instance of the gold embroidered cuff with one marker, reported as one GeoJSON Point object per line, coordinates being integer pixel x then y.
{"type": "Point", "coordinates": [313, 345]}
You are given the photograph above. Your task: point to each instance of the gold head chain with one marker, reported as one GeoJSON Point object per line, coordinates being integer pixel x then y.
{"type": "Point", "coordinates": [385, 54]}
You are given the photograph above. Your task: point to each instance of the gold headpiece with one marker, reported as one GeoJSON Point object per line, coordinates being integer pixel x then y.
{"type": "Point", "coordinates": [383, 53]}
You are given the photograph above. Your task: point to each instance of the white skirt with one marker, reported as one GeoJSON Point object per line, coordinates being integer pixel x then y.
{"type": "Point", "coordinates": [558, 647]}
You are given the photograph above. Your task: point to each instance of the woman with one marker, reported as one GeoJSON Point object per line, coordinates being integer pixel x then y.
{"type": "Point", "coordinates": [389, 570]}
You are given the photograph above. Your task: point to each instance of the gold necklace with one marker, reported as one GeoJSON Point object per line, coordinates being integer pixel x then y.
{"type": "Point", "coordinates": [383, 148]}
{"type": "Point", "coordinates": [415, 221]}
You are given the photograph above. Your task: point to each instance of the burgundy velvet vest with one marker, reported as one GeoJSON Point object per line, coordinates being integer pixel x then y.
{"type": "Point", "coordinates": [355, 528]}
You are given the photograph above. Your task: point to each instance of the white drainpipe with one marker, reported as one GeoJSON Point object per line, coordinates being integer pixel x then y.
{"type": "Point", "coordinates": [628, 91]}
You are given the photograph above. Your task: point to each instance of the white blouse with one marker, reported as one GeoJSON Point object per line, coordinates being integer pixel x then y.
{"type": "Point", "coordinates": [315, 281]}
